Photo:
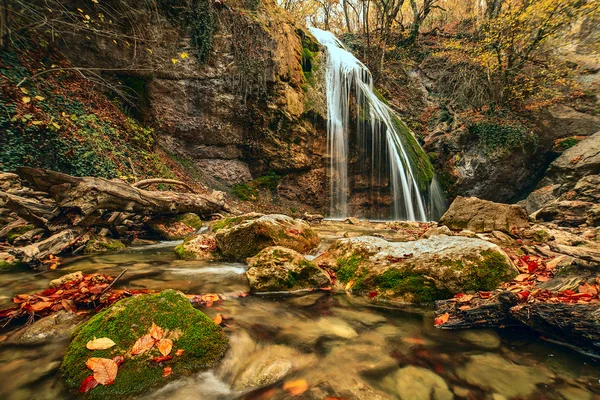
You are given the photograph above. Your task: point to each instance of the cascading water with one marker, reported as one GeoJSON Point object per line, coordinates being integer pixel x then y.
{"type": "Point", "coordinates": [378, 130]}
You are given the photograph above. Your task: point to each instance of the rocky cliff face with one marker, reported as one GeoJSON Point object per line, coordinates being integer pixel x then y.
{"type": "Point", "coordinates": [249, 109]}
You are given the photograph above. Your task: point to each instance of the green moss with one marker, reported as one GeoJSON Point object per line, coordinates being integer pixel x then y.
{"type": "Point", "coordinates": [380, 96]}
{"type": "Point", "coordinates": [244, 192]}
{"type": "Point", "coordinates": [102, 244]}
{"type": "Point", "coordinates": [489, 272]}
{"type": "Point", "coordinates": [14, 233]}
{"type": "Point", "coordinates": [226, 223]}
{"type": "Point", "coordinates": [408, 283]}
{"type": "Point", "coordinates": [541, 236]}
{"type": "Point", "coordinates": [420, 164]}
{"type": "Point", "coordinates": [203, 341]}
{"type": "Point", "coordinates": [567, 143]}
{"type": "Point", "coordinates": [183, 253]}
{"type": "Point", "coordinates": [190, 219]}
{"type": "Point", "coordinates": [503, 135]}
{"type": "Point", "coordinates": [347, 267]}
{"type": "Point", "coordinates": [6, 266]}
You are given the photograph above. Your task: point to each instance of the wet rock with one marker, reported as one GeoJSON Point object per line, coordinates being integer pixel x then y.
{"type": "Point", "coordinates": [574, 393]}
{"type": "Point", "coordinates": [176, 228]}
{"type": "Point", "coordinates": [415, 383]}
{"type": "Point", "coordinates": [467, 233]}
{"type": "Point", "coordinates": [197, 247]}
{"type": "Point", "coordinates": [493, 373]}
{"type": "Point", "coordinates": [245, 236]}
{"type": "Point", "coordinates": [280, 269]}
{"type": "Point", "coordinates": [440, 230]}
{"type": "Point", "coordinates": [570, 213]}
{"type": "Point", "coordinates": [352, 221]}
{"type": "Point", "coordinates": [312, 218]}
{"type": "Point", "coordinates": [484, 216]}
{"type": "Point", "coordinates": [485, 339]}
{"type": "Point", "coordinates": [363, 317]}
{"type": "Point", "coordinates": [305, 335]}
{"type": "Point", "coordinates": [501, 238]}
{"type": "Point", "coordinates": [9, 262]}
{"type": "Point", "coordinates": [73, 276]}
{"type": "Point", "coordinates": [55, 326]}
{"type": "Point", "coordinates": [417, 271]}
{"type": "Point", "coordinates": [307, 300]}
{"type": "Point", "coordinates": [102, 244]}
{"type": "Point", "coordinates": [204, 343]}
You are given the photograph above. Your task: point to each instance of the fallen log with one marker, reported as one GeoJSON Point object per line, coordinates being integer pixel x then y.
{"type": "Point", "coordinates": [82, 201]}
{"type": "Point", "coordinates": [34, 254]}
{"type": "Point", "coordinates": [31, 210]}
{"type": "Point", "coordinates": [478, 312]}
{"type": "Point", "coordinates": [147, 182]}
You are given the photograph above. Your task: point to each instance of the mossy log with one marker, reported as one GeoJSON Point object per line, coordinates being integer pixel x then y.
{"type": "Point", "coordinates": [83, 200]}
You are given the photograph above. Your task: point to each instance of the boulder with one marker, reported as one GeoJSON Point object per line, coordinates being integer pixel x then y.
{"type": "Point", "coordinates": [280, 269]}
{"type": "Point", "coordinates": [440, 230]}
{"type": "Point", "coordinates": [204, 343]}
{"type": "Point", "coordinates": [419, 271]}
{"type": "Point", "coordinates": [53, 327]}
{"type": "Point", "coordinates": [197, 247]}
{"type": "Point", "coordinates": [8, 262]}
{"type": "Point", "coordinates": [102, 244]}
{"type": "Point", "coordinates": [416, 383]}
{"type": "Point", "coordinates": [241, 237]}
{"type": "Point", "coordinates": [484, 216]}
{"type": "Point", "coordinates": [176, 228]}
{"type": "Point", "coordinates": [540, 197]}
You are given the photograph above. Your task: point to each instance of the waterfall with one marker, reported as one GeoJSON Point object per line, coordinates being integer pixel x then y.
{"type": "Point", "coordinates": [386, 143]}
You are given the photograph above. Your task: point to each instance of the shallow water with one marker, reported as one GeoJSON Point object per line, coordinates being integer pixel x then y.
{"type": "Point", "coordinates": [342, 346]}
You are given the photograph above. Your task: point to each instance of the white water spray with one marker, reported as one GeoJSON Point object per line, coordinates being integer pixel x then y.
{"type": "Point", "coordinates": [345, 77]}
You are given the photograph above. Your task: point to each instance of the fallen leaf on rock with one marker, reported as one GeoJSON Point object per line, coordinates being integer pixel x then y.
{"type": "Point", "coordinates": [162, 358]}
{"type": "Point", "coordinates": [296, 387]}
{"type": "Point", "coordinates": [179, 352]}
{"type": "Point", "coordinates": [156, 331]}
{"type": "Point", "coordinates": [466, 298]}
{"type": "Point", "coordinates": [41, 305]}
{"type": "Point", "coordinates": [100, 344]}
{"type": "Point", "coordinates": [465, 307]}
{"type": "Point", "coordinates": [105, 371]}
{"type": "Point", "coordinates": [485, 295]}
{"type": "Point", "coordinates": [88, 384]}
{"type": "Point", "coordinates": [218, 319]}
{"type": "Point", "coordinates": [142, 345]}
{"type": "Point", "coordinates": [442, 319]}
{"type": "Point", "coordinates": [165, 346]}
{"type": "Point", "coordinates": [543, 278]}
{"type": "Point", "coordinates": [521, 277]}
{"type": "Point", "coordinates": [91, 362]}
{"type": "Point", "coordinates": [69, 305]}
{"type": "Point", "coordinates": [588, 289]}
{"type": "Point", "coordinates": [167, 371]}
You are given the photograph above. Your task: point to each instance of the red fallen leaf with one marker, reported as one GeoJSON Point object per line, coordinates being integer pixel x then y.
{"type": "Point", "coordinates": [294, 231]}
{"type": "Point", "coordinates": [442, 319]}
{"type": "Point", "coordinates": [142, 345]}
{"type": "Point", "coordinates": [162, 358]}
{"type": "Point", "coordinates": [167, 371]}
{"type": "Point", "coordinates": [88, 384]}
{"type": "Point", "coordinates": [69, 305]}
{"type": "Point", "coordinates": [524, 295]}
{"type": "Point", "coordinates": [589, 289]}
{"type": "Point", "coordinates": [41, 305]}
{"type": "Point", "coordinates": [372, 294]}
{"type": "Point", "coordinates": [485, 295]}
{"type": "Point", "coordinates": [439, 369]}
{"type": "Point", "coordinates": [568, 292]}
{"type": "Point", "coordinates": [179, 352]}
{"type": "Point", "coordinates": [296, 388]}
{"type": "Point", "coordinates": [119, 360]}
{"type": "Point", "coordinates": [459, 295]}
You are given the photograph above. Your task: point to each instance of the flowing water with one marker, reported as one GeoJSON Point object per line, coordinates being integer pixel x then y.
{"type": "Point", "coordinates": [378, 135]}
{"type": "Point", "coordinates": [341, 345]}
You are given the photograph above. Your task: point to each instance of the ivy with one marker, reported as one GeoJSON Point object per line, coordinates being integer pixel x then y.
{"type": "Point", "coordinates": [201, 19]}
{"type": "Point", "coordinates": [502, 135]}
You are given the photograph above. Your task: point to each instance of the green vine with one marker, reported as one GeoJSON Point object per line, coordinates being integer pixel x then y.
{"type": "Point", "coordinates": [201, 19]}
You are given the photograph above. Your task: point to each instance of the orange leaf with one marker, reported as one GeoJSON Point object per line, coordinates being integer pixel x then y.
{"type": "Point", "coordinates": [485, 295]}
{"type": "Point", "coordinates": [295, 388]}
{"type": "Point", "coordinates": [588, 289]}
{"type": "Point", "coordinates": [41, 305]}
{"type": "Point", "coordinates": [179, 352]}
{"type": "Point", "coordinates": [100, 344]}
{"type": "Point", "coordinates": [165, 346]}
{"type": "Point", "coordinates": [442, 319]}
{"type": "Point", "coordinates": [91, 362]}
{"type": "Point", "coordinates": [142, 345]}
{"type": "Point", "coordinates": [156, 331]}
{"type": "Point", "coordinates": [69, 305]}
{"type": "Point", "coordinates": [162, 358]}
{"type": "Point", "coordinates": [167, 371]}
{"type": "Point", "coordinates": [413, 340]}
{"type": "Point", "coordinates": [218, 319]}
{"type": "Point", "coordinates": [105, 371]}
{"type": "Point", "coordinates": [521, 277]}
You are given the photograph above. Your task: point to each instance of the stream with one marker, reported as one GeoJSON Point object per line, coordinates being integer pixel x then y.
{"type": "Point", "coordinates": [342, 346]}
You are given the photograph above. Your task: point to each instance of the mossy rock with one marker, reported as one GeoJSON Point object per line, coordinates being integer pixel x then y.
{"type": "Point", "coordinates": [176, 228]}
{"type": "Point", "coordinates": [204, 343]}
{"type": "Point", "coordinates": [420, 271]}
{"type": "Point", "coordinates": [197, 247]}
{"type": "Point", "coordinates": [16, 232]}
{"type": "Point", "coordinates": [245, 236]}
{"type": "Point", "coordinates": [8, 263]}
{"type": "Point", "coordinates": [280, 269]}
{"type": "Point", "coordinates": [101, 244]}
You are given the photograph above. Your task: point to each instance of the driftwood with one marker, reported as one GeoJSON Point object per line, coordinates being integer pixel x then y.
{"type": "Point", "coordinates": [8, 227]}
{"type": "Point", "coordinates": [147, 182]}
{"type": "Point", "coordinates": [478, 313]}
{"type": "Point", "coordinates": [35, 253]}
{"type": "Point", "coordinates": [83, 200]}
{"type": "Point", "coordinates": [31, 210]}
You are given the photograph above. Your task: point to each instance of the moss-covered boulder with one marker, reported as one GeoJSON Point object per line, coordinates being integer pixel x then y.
{"type": "Point", "coordinates": [279, 269]}
{"type": "Point", "coordinates": [419, 271]}
{"type": "Point", "coordinates": [197, 247]}
{"type": "Point", "coordinates": [484, 216]}
{"type": "Point", "coordinates": [177, 227]}
{"type": "Point", "coordinates": [9, 263]}
{"type": "Point", "coordinates": [101, 244]}
{"type": "Point", "coordinates": [241, 237]}
{"type": "Point", "coordinates": [204, 343]}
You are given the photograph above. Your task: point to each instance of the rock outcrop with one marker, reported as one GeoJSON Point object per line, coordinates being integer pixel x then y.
{"type": "Point", "coordinates": [241, 237]}
{"type": "Point", "coordinates": [280, 269]}
{"type": "Point", "coordinates": [417, 271]}
{"type": "Point", "coordinates": [479, 215]}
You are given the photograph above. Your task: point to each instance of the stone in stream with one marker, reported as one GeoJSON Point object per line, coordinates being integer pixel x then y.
{"type": "Point", "coordinates": [482, 338]}
{"type": "Point", "coordinates": [8, 262]}
{"type": "Point", "coordinates": [103, 244]}
{"type": "Point", "coordinates": [280, 269]}
{"type": "Point", "coordinates": [177, 227]}
{"type": "Point", "coordinates": [484, 216]}
{"type": "Point", "coordinates": [197, 247]}
{"type": "Point", "coordinates": [415, 383]}
{"type": "Point", "coordinates": [493, 373]}
{"type": "Point", "coordinates": [245, 236]}
{"type": "Point", "coordinates": [204, 343]}
{"type": "Point", "coordinates": [417, 271]}
{"type": "Point", "coordinates": [56, 326]}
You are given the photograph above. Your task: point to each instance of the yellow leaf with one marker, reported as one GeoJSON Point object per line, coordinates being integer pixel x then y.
{"type": "Point", "coordinates": [174, 60]}
{"type": "Point", "coordinates": [295, 388]}
{"type": "Point", "coordinates": [39, 98]}
{"type": "Point", "coordinates": [184, 55]}
{"type": "Point", "coordinates": [149, 51]}
{"type": "Point", "coordinates": [25, 91]}
{"type": "Point", "coordinates": [37, 122]}
{"type": "Point", "coordinates": [26, 99]}
{"type": "Point", "coordinates": [100, 344]}
{"type": "Point", "coordinates": [105, 371]}
{"type": "Point", "coordinates": [87, 16]}
{"type": "Point", "coordinates": [165, 346]}
{"type": "Point", "coordinates": [95, 1]}
{"type": "Point", "coordinates": [80, 10]}
{"type": "Point", "coordinates": [142, 345]}
{"type": "Point", "coordinates": [155, 331]}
